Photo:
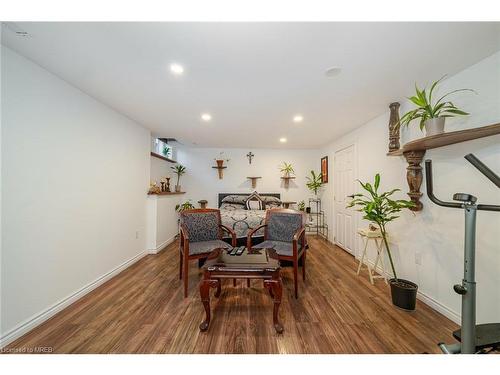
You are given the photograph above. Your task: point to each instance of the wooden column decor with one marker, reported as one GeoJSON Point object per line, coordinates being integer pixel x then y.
{"type": "Point", "coordinates": [414, 176]}
{"type": "Point", "coordinates": [254, 181]}
{"type": "Point", "coordinates": [394, 127]}
{"type": "Point", "coordinates": [221, 171]}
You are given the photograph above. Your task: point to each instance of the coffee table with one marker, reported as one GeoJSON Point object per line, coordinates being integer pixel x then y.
{"type": "Point", "coordinates": [253, 264]}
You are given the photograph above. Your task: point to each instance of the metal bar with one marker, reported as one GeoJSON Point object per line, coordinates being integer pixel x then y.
{"type": "Point", "coordinates": [492, 176]}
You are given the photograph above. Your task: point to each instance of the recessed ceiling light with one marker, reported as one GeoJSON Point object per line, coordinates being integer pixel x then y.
{"type": "Point", "coordinates": [176, 69]}
{"type": "Point", "coordinates": [283, 140]}
{"type": "Point", "coordinates": [298, 118]}
{"type": "Point", "coordinates": [206, 116]}
{"type": "Point", "coordinates": [333, 71]}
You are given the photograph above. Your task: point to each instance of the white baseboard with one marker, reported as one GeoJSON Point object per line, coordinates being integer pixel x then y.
{"type": "Point", "coordinates": [162, 245]}
{"type": "Point", "coordinates": [429, 301]}
{"type": "Point", "coordinates": [23, 328]}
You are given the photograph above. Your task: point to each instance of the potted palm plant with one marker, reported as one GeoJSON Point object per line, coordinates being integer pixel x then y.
{"type": "Point", "coordinates": [286, 169]}
{"type": "Point", "coordinates": [432, 115]}
{"type": "Point", "coordinates": [380, 209]}
{"type": "Point", "coordinates": [179, 170]}
{"type": "Point", "coordinates": [314, 182]}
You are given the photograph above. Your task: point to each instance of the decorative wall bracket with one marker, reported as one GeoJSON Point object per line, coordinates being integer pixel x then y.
{"type": "Point", "coordinates": [414, 176]}
{"type": "Point", "coordinates": [221, 171]}
{"type": "Point", "coordinates": [254, 181]}
{"type": "Point", "coordinates": [286, 180]}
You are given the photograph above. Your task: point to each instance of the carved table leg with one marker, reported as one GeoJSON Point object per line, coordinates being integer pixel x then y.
{"type": "Point", "coordinates": [414, 176]}
{"type": "Point", "coordinates": [205, 298]}
{"type": "Point", "coordinates": [277, 291]}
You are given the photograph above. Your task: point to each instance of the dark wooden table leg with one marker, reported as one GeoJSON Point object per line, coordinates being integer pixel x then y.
{"type": "Point", "coordinates": [205, 286]}
{"type": "Point", "coordinates": [276, 290]}
{"type": "Point", "coordinates": [219, 288]}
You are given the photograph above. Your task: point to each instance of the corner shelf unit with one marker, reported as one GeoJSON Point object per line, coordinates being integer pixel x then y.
{"type": "Point", "coordinates": [316, 221]}
{"type": "Point", "coordinates": [158, 156]}
{"type": "Point", "coordinates": [414, 152]}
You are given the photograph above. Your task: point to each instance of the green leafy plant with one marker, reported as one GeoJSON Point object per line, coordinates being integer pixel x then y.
{"type": "Point", "coordinates": [426, 109]}
{"type": "Point", "coordinates": [301, 205]}
{"type": "Point", "coordinates": [187, 205]}
{"type": "Point", "coordinates": [179, 170]}
{"type": "Point", "coordinates": [166, 150]}
{"type": "Point", "coordinates": [287, 169]}
{"type": "Point", "coordinates": [380, 209]}
{"type": "Point", "coordinates": [314, 182]}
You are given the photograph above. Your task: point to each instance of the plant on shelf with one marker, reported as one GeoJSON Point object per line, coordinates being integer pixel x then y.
{"type": "Point", "coordinates": [286, 169]}
{"type": "Point", "coordinates": [179, 170]}
{"type": "Point", "coordinates": [221, 159]}
{"type": "Point", "coordinates": [166, 151]}
{"type": "Point", "coordinates": [314, 182]}
{"type": "Point", "coordinates": [187, 205]}
{"type": "Point", "coordinates": [301, 206]}
{"type": "Point", "coordinates": [432, 115]}
{"type": "Point", "coordinates": [380, 209]}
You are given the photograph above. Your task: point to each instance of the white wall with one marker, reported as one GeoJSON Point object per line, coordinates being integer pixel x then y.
{"type": "Point", "coordinates": [436, 233]}
{"type": "Point", "coordinates": [74, 183]}
{"type": "Point", "coordinates": [201, 181]}
{"type": "Point", "coordinates": [162, 221]}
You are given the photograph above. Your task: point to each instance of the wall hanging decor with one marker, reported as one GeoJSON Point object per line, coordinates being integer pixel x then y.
{"type": "Point", "coordinates": [394, 127]}
{"type": "Point", "coordinates": [250, 156]}
{"type": "Point", "coordinates": [324, 169]}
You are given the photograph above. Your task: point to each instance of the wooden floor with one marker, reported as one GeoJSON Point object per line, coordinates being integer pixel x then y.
{"type": "Point", "coordinates": [142, 310]}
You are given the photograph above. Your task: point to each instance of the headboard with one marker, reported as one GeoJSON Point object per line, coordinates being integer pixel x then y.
{"type": "Point", "coordinates": [223, 195]}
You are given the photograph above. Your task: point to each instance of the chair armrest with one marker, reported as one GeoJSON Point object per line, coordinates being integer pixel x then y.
{"type": "Point", "coordinates": [251, 233]}
{"type": "Point", "coordinates": [299, 233]}
{"type": "Point", "coordinates": [184, 233]}
{"type": "Point", "coordinates": [231, 232]}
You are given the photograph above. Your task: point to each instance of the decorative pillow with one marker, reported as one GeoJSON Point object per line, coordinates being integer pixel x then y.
{"type": "Point", "coordinates": [232, 206]}
{"type": "Point", "coordinates": [238, 199]}
{"type": "Point", "coordinates": [254, 202]}
{"type": "Point", "coordinates": [271, 202]}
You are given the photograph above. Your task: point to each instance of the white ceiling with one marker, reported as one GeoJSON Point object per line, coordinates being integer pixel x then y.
{"type": "Point", "coordinates": [253, 77]}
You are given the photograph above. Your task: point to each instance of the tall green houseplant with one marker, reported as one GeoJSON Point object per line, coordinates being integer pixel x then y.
{"type": "Point", "coordinates": [380, 209]}
{"type": "Point", "coordinates": [179, 170]}
{"type": "Point", "coordinates": [314, 182]}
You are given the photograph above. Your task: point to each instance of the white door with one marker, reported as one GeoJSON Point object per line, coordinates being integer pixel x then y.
{"type": "Point", "coordinates": [344, 186]}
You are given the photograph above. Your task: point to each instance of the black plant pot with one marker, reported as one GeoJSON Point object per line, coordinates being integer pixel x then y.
{"type": "Point", "coordinates": [403, 293]}
{"type": "Point", "coordinates": [308, 210]}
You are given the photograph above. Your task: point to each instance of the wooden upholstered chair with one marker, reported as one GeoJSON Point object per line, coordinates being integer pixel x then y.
{"type": "Point", "coordinates": [201, 233]}
{"type": "Point", "coordinates": [285, 233]}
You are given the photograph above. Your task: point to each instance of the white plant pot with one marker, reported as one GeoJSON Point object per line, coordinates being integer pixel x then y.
{"type": "Point", "coordinates": [434, 126]}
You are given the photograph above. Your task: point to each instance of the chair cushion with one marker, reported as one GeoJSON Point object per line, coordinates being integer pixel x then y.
{"type": "Point", "coordinates": [281, 248]}
{"type": "Point", "coordinates": [281, 226]}
{"type": "Point", "coordinates": [202, 226]}
{"type": "Point", "coordinates": [206, 246]}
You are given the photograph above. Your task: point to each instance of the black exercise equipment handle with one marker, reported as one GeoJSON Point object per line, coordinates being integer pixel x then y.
{"type": "Point", "coordinates": [480, 166]}
{"type": "Point", "coordinates": [492, 176]}
{"type": "Point", "coordinates": [430, 193]}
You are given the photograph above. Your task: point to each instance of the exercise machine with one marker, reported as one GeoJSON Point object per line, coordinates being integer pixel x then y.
{"type": "Point", "coordinates": [472, 338]}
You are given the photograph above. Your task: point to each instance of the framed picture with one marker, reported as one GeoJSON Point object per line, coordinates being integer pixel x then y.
{"type": "Point", "coordinates": [324, 169]}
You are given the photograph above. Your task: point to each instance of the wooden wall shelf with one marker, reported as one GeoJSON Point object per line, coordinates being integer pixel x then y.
{"type": "Point", "coordinates": [154, 154]}
{"type": "Point", "coordinates": [220, 170]}
{"type": "Point", "coordinates": [168, 193]}
{"type": "Point", "coordinates": [254, 181]}
{"type": "Point", "coordinates": [286, 180]}
{"type": "Point", "coordinates": [414, 152]}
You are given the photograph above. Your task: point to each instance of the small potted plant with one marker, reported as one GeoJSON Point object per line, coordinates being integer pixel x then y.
{"type": "Point", "coordinates": [287, 169]}
{"type": "Point", "coordinates": [187, 205]}
{"type": "Point", "coordinates": [166, 151]}
{"type": "Point", "coordinates": [220, 160]}
{"type": "Point", "coordinates": [301, 206]}
{"type": "Point", "coordinates": [380, 210]}
{"type": "Point", "coordinates": [432, 115]}
{"type": "Point", "coordinates": [314, 182]}
{"type": "Point", "coordinates": [179, 170]}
